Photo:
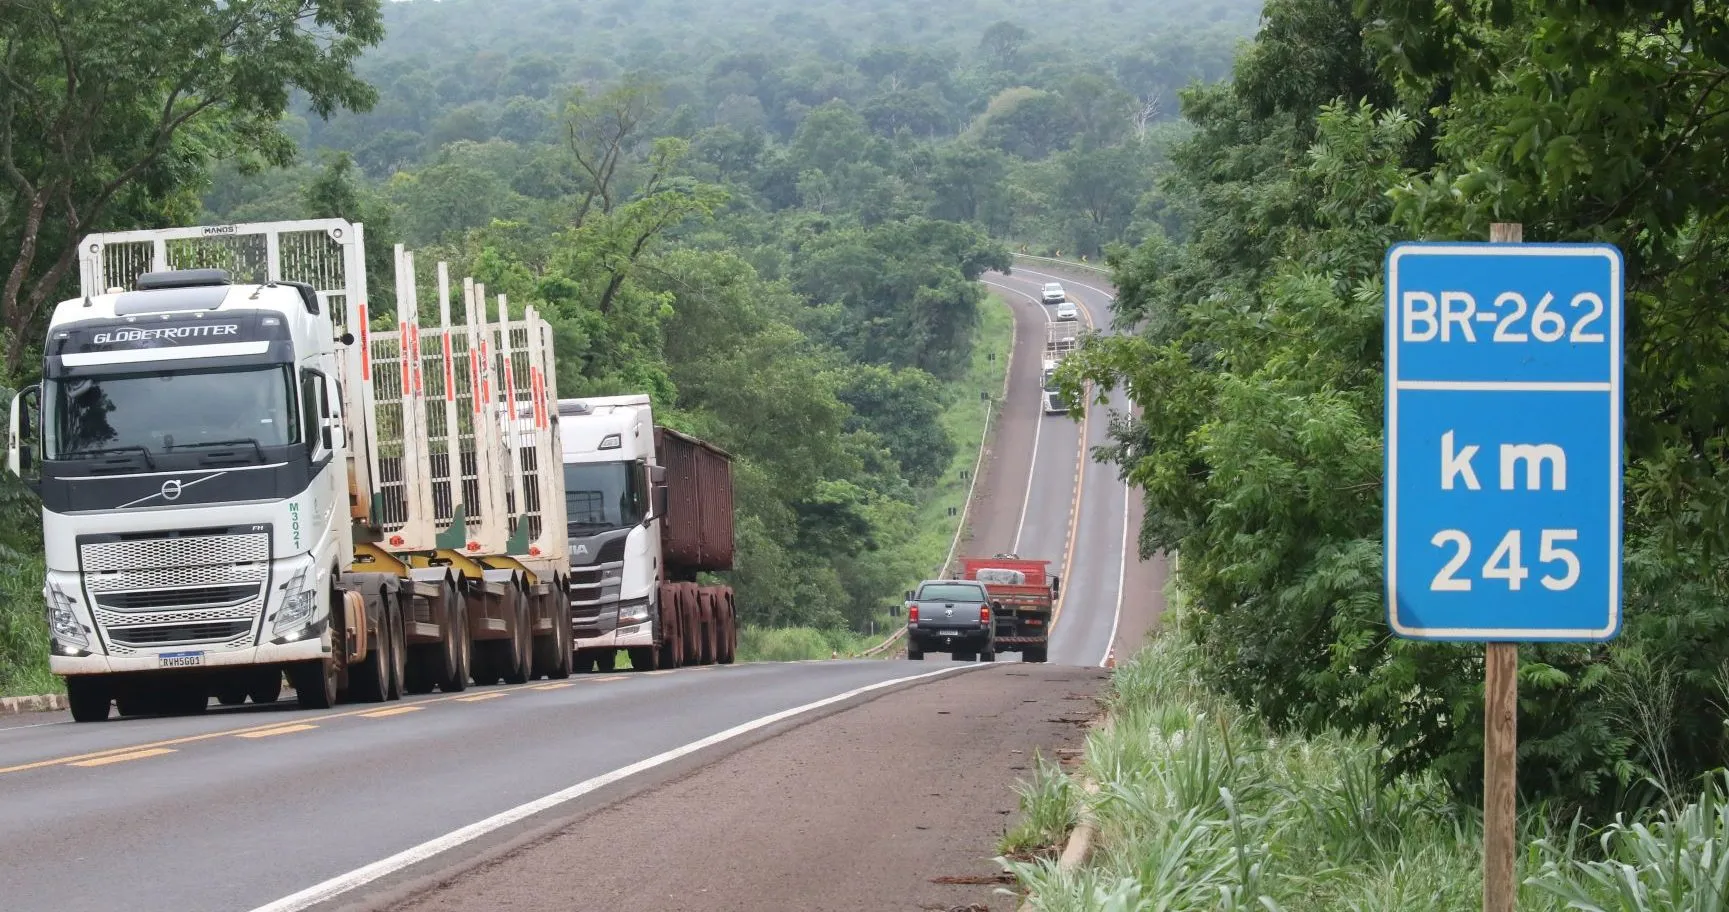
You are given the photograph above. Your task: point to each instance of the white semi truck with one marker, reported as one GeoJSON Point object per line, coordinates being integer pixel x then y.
{"type": "Point", "coordinates": [240, 478]}
{"type": "Point", "coordinates": [649, 509]}
{"type": "Point", "coordinates": [1061, 339]}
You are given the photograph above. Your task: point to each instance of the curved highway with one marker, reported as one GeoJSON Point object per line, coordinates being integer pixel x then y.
{"type": "Point", "coordinates": [276, 809]}
{"type": "Point", "coordinates": [1075, 511]}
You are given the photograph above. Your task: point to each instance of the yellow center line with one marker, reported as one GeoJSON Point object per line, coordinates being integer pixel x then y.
{"type": "Point", "coordinates": [1074, 508]}
{"type": "Point", "coordinates": [281, 730]}
{"type": "Point", "coordinates": [557, 686]}
{"type": "Point", "coordinates": [609, 678]}
{"type": "Point", "coordinates": [476, 698]}
{"type": "Point", "coordinates": [191, 739]}
{"type": "Point", "coordinates": [663, 671]}
{"type": "Point", "coordinates": [122, 758]}
{"type": "Point", "coordinates": [392, 711]}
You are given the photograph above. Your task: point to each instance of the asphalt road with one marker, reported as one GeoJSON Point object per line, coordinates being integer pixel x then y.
{"type": "Point", "coordinates": [276, 809]}
{"type": "Point", "coordinates": [1076, 511]}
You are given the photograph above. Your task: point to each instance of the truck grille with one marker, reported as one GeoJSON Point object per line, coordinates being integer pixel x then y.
{"type": "Point", "coordinates": [179, 591]}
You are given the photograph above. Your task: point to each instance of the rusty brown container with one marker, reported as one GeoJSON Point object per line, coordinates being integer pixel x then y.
{"type": "Point", "coordinates": [697, 533]}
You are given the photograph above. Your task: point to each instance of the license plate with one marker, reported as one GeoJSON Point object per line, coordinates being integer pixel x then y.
{"type": "Point", "coordinates": [180, 659]}
{"type": "Point", "coordinates": [949, 633]}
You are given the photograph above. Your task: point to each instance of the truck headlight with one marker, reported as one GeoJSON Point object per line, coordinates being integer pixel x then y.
{"type": "Point", "coordinates": [62, 619]}
{"type": "Point", "coordinates": [634, 611]}
{"type": "Point", "coordinates": [297, 605]}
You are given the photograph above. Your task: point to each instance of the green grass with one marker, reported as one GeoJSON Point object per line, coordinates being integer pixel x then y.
{"type": "Point", "coordinates": [24, 632]}
{"type": "Point", "coordinates": [1200, 807]}
{"type": "Point", "coordinates": [964, 418]}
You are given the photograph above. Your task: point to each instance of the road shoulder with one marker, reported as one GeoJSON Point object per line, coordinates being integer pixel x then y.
{"type": "Point", "coordinates": [863, 809]}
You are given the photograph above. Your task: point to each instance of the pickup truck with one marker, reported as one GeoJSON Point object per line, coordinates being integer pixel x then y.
{"type": "Point", "coordinates": [952, 616]}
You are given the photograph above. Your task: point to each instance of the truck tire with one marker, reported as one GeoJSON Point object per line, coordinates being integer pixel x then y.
{"type": "Point", "coordinates": [1033, 654]}
{"type": "Point", "coordinates": [693, 624]}
{"type": "Point", "coordinates": [644, 658]}
{"type": "Point", "coordinates": [88, 696]}
{"type": "Point", "coordinates": [231, 692]}
{"type": "Point", "coordinates": [729, 627]}
{"type": "Point", "coordinates": [141, 697]}
{"type": "Point", "coordinates": [369, 681]}
{"type": "Point", "coordinates": [459, 667]}
{"type": "Point", "coordinates": [987, 655]}
{"type": "Point", "coordinates": [397, 624]}
{"type": "Point", "coordinates": [314, 683]}
{"type": "Point", "coordinates": [265, 687]}
{"type": "Point", "coordinates": [519, 659]}
{"type": "Point", "coordinates": [671, 627]}
{"type": "Point", "coordinates": [915, 654]}
{"type": "Point", "coordinates": [707, 626]}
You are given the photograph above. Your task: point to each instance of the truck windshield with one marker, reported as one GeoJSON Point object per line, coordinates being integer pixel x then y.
{"type": "Point", "coordinates": [601, 496]}
{"type": "Point", "coordinates": [951, 592]}
{"type": "Point", "coordinates": [164, 410]}
{"type": "Point", "coordinates": [1050, 381]}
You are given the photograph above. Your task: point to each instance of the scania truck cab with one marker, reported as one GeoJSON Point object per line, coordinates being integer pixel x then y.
{"type": "Point", "coordinates": [608, 451]}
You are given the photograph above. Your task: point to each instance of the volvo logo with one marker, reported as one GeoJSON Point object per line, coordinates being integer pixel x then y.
{"type": "Point", "coordinates": [171, 489]}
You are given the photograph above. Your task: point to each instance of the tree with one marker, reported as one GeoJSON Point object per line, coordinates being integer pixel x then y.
{"type": "Point", "coordinates": [1001, 44]}
{"type": "Point", "coordinates": [604, 135]}
{"type": "Point", "coordinates": [105, 123]}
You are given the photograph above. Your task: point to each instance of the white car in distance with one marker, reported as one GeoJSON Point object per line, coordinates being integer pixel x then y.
{"type": "Point", "coordinates": [1054, 293]}
{"type": "Point", "coordinates": [1066, 311]}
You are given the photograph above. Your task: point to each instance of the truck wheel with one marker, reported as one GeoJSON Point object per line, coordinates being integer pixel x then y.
{"type": "Point", "coordinates": [520, 662]}
{"type": "Point", "coordinates": [707, 627]}
{"type": "Point", "coordinates": [398, 627]}
{"type": "Point", "coordinates": [459, 647]}
{"type": "Point", "coordinates": [560, 646]}
{"type": "Point", "coordinates": [728, 626]}
{"type": "Point", "coordinates": [915, 654]}
{"type": "Point", "coordinates": [314, 683]}
{"type": "Point", "coordinates": [671, 627]}
{"type": "Point", "coordinates": [369, 682]}
{"type": "Point", "coordinates": [188, 697]}
{"type": "Point", "coordinates": [88, 697]}
{"type": "Point", "coordinates": [1032, 654]}
{"type": "Point", "coordinates": [692, 625]}
{"type": "Point", "coordinates": [605, 660]}
{"type": "Point", "coordinates": [231, 692]}
{"type": "Point", "coordinates": [265, 687]}
{"type": "Point", "coordinates": [644, 658]}
{"type": "Point", "coordinates": [140, 698]}
{"type": "Point", "coordinates": [988, 655]}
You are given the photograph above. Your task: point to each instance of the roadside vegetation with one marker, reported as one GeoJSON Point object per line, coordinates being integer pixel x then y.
{"type": "Point", "coordinates": [1199, 804]}
{"type": "Point", "coordinates": [1348, 126]}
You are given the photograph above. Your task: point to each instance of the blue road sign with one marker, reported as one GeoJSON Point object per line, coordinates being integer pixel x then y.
{"type": "Point", "coordinates": [1504, 429]}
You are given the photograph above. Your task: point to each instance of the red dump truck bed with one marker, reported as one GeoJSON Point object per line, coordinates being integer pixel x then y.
{"type": "Point", "coordinates": [698, 529]}
{"type": "Point", "coordinates": [1023, 592]}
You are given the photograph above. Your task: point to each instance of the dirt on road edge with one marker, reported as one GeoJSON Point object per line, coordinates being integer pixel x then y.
{"type": "Point", "coordinates": [882, 806]}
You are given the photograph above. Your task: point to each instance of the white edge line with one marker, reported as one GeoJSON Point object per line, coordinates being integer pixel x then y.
{"type": "Point", "coordinates": [359, 877]}
{"type": "Point", "coordinates": [1038, 429]}
{"type": "Point", "coordinates": [1122, 574]}
{"type": "Point", "coordinates": [1507, 386]}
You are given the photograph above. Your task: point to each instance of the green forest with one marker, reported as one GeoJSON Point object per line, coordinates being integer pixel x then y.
{"type": "Point", "coordinates": [769, 215]}
{"type": "Point", "coordinates": [1348, 126]}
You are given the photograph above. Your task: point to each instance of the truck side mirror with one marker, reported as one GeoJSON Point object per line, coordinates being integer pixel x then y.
{"type": "Point", "coordinates": [662, 502]}
{"type": "Point", "coordinates": [23, 435]}
{"type": "Point", "coordinates": [657, 475]}
{"type": "Point", "coordinates": [333, 436]}
{"type": "Point", "coordinates": [909, 595]}
{"type": "Point", "coordinates": [1056, 585]}
{"type": "Point", "coordinates": [894, 611]}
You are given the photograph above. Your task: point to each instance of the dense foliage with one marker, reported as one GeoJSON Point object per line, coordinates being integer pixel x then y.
{"type": "Point", "coordinates": [1350, 125]}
